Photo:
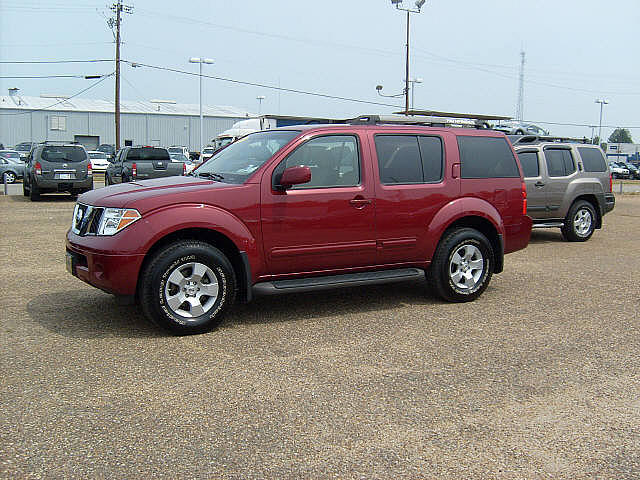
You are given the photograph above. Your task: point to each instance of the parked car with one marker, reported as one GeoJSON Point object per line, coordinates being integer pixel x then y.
{"type": "Point", "coordinates": [618, 171]}
{"type": "Point", "coordinates": [10, 169]}
{"type": "Point", "coordinates": [109, 150]}
{"type": "Point", "coordinates": [179, 149]}
{"type": "Point", "coordinates": [57, 167]}
{"type": "Point", "coordinates": [24, 148]}
{"type": "Point", "coordinates": [518, 128]}
{"type": "Point", "coordinates": [13, 154]}
{"type": "Point", "coordinates": [568, 186]}
{"type": "Point", "coordinates": [634, 172]}
{"type": "Point", "coordinates": [140, 163]}
{"type": "Point", "coordinates": [207, 153]}
{"type": "Point", "coordinates": [188, 164]}
{"type": "Point", "coordinates": [306, 208]}
{"type": "Point", "coordinates": [99, 161]}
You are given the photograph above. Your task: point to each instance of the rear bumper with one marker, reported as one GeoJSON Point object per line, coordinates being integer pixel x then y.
{"type": "Point", "coordinates": [116, 274]}
{"type": "Point", "coordinates": [64, 185]}
{"type": "Point", "coordinates": [607, 203]}
{"type": "Point", "coordinates": [517, 235]}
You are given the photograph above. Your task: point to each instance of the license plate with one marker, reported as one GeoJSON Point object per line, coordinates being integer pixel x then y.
{"type": "Point", "coordinates": [69, 263]}
{"type": "Point", "coordinates": [65, 176]}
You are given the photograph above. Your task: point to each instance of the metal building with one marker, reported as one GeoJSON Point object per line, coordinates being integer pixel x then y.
{"type": "Point", "coordinates": [91, 122]}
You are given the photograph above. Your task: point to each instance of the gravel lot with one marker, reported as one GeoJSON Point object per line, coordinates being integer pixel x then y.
{"type": "Point", "coordinates": [539, 378]}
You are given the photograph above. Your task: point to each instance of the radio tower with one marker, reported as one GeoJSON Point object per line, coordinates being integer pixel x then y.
{"type": "Point", "coordinates": [520, 107]}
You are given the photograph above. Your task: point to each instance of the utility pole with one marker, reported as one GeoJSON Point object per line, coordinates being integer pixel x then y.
{"type": "Point", "coordinates": [520, 107]}
{"type": "Point", "coordinates": [406, 84]}
{"type": "Point", "coordinates": [118, 8]}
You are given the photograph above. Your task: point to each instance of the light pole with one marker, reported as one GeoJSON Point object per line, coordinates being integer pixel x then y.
{"type": "Point", "coordinates": [409, 10]}
{"type": "Point", "coordinates": [208, 61]}
{"type": "Point", "coordinates": [602, 103]}
{"type": "Point", "coordinates": [413, 82]}
{"type": "Point", "coordinates": [260, 98]}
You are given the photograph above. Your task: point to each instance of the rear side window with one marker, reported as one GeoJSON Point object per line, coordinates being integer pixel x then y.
{"type": "Point", "coordinates": [138, 154]}
{"type": "Point", "coordinates": [529, 162]}
{"type": "Point", "coordinates": [559, 162]}
{"type": "Point", "coordinates": [486, 157]}
{"type": "Point", "coordinates": [408, 159]}
{"type": "Point", "coordinates": [592, 159]}
{"type": "Point", "coordinates": [63, 154]}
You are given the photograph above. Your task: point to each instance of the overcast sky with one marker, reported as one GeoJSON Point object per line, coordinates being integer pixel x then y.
{"type": "Point", "coordinates": [466, 51]}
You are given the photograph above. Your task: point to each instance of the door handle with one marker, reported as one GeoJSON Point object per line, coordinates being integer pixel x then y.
{"type": "Point", "coordinates": [360, 203]}
{"type": "Point", "coordinates": [539, 184]}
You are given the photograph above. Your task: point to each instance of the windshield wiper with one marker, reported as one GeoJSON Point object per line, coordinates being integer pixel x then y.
{"type": "Point", "coordinates": [213, 175]}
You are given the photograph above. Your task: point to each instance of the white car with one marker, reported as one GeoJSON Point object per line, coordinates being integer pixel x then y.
{"type": "Point", "coordinates": [99, 161]}
{"type": "Point", "coordinates": [207, 153]}
{"type": "Point", "coordinates": [178, 149]}
{"type": "Point", "coordinates": [617, 171]}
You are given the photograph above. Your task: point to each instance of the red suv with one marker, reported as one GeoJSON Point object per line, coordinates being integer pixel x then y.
{"type": "Point", "coordinates": [305, 208]}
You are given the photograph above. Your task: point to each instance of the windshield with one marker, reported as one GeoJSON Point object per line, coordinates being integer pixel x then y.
{"type": "Point", "coordinates": [175, 150]}
{"type": "Point", "coordinates": [208, 150]}
{"type": "Point", "coordinates": [23, 147]}
{"type": "Point", "coordinates": [106, 148]}
{"type": "Point", "coordinates": [97, 155]}
{"type": "Point", "coordinates": [60, 154]}
{"type": "Point", "coordinates": [238, 161]}
{"type": "Point", "coordinates": [178, 157]}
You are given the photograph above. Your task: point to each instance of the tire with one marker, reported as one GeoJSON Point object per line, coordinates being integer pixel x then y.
{"type": "Point", "coordinates": [10, 177]}
{"type": "Point", "coordinates": [452, 267]}
{"type": "Point", "coordinates": [170, 287]}
{"type": "Point", "coordinates": [34, 192]}
{"type": "Point", "coordinates": [519, 132]}
{"type": "Point", "coordinates": [580, 222]}
{"type": "Point", "coordinates": [25, 191]}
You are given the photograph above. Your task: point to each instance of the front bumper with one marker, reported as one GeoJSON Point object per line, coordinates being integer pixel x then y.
{"type": "Point", "coordinates": [112, 273]}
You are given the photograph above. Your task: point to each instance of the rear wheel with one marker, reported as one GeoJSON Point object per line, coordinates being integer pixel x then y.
{"type": "Point", "coordinates": [580, 222]}
{"type": "Point", "coordinates": [187, 287]}
{"type": "Point", "coordinates": [34, 191]}
{"type": "Point", "coordinates": [25, 190]}
{"type": "Point", "coordinates": [462, 265]}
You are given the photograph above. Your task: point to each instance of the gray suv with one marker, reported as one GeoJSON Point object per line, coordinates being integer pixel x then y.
{"type": "Point", "coordinates": [57, 167]}
{"type": "Point", "coordinates": [568, 185]}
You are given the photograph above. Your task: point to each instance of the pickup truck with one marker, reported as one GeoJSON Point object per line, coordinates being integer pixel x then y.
{"type": "Point", "coordinates": [142, 163]}
{"type": "Point", "coordinates": [306, 208]}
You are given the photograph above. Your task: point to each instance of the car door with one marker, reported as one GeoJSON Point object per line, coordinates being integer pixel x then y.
{"type": "Point", "coordinates": [327, 224]}
{"type": "Point", "coordinates": [535, 180]}
{"type": "Point", "coordinates": [561, 169]}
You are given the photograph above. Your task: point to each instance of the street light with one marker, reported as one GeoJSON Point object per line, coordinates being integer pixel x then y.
{"type": "Point", "coordinates": [602, 103]}
{"type": "Point", "coordinates": [418, 5]}
{"type": "Point", "coordinates": [208, 61]}
{"type": "Point", "coordinates": [260, 98]}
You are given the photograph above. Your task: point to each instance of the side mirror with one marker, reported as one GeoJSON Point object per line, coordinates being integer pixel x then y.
{"type": "Point", "coordinates": [295, 176]}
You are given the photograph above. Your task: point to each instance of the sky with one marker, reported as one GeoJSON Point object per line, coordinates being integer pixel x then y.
{"type": "Point", "coordinates": [467, 53]}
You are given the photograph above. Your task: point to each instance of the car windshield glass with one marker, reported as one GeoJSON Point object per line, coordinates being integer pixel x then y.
{"type": "Point", "coordinates": [60, 154]}
{"type": "Point", "coordinates": [238, 161]}
{"type": "Point", "coordinates": [23, 147]}
{"type": "Point", "coordinates": [94, 155]}
{"type": "Point", "coordinates": [178, 157]}
{"type": "Point", "coordinates": [208, 150]}
{"type": "Point", "coordinates": [10, 154]}
{"type": "Point", "coordinates": [175, 150]}
{"type": "Point", "coordinates": [137, 154]}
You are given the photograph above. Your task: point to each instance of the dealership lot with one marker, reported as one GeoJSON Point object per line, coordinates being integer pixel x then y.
{"type": "Point", "coordinates": [536, 379]}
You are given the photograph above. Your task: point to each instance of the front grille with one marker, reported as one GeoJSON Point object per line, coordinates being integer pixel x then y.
{"type": "Point", "coordinates": [86, 219]}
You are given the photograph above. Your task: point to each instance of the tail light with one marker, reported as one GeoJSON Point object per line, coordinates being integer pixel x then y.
{"type": "Point", "coordinates": [134, 170]}
{"type": "Point", "coordinates": [38, 168]}
{"type": "Point", "coordinates": [610, 182]}
{"type": "Point", "coordinates": [89, 169]}
{"type": "Point", "coordinates": [524, 198]}
{"type": "Point", "coordinates": [184, 168]}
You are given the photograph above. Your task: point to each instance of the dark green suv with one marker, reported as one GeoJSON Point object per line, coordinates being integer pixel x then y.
{"type": "Point", "coordinates": [57, 167]}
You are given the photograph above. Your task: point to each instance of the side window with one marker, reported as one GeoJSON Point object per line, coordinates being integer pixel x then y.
{"type": "Point", "coordinates": [431, 153]}
{"type": "Point", "coordinates": [486, 157]}
{"type": "Point", "coordinates": [592, 159]}
{"type": "Point", "coordinates": [559, 162]}
{"type": "Point", "coordinates": [399, 159]}
{"type": "Point", "coordinates": [529, 162]}
{"type": "Point", "coordinates": [334, 161]}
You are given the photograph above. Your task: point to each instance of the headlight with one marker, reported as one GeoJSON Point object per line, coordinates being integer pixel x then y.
{"type": "Point", "coordinates": [115, 219]}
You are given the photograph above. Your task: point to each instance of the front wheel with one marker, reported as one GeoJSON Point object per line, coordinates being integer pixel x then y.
{"type": "Point", "coordinates": [580, 222]}
{"type": "Point", "coordinates": [187, 287]}
{"type": "Point", "coordinates": [9, 177]}
{"type": "Point", "coordinates": [462, 265]}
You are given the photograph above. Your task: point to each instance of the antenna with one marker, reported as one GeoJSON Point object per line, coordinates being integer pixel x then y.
{"type": "Point", "coordinates": [520, 107]}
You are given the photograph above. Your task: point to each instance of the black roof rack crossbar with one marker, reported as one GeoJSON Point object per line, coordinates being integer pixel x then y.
{"type": "Point", "coordinates": [531, 139]}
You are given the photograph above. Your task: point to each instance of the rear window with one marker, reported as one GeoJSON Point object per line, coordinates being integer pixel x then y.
{"type": "Point", "coordinates": [529, 162]}
{"type": "Point", "coordinates": [175, 150]}
{"type": "Point", "coordinates": [141, 154]}
{"type": "Point", "coordinates": [486, 157]}
{"type": "Point", "coordinates": [62, 154]}
{"type": "Point", "coordinates": [592, 159]}
{"type": "Point", "coordinates": [98, 155]}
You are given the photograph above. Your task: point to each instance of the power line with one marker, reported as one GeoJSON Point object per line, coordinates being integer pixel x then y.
{"type": "Point", "coordinates": [61, 101]}
{"type": "Point", "coordinates": [40, 76]}
{"type": "Point", "coordinates": [36, 62]}
{"type": "Point", "coordinates": [262, 85]}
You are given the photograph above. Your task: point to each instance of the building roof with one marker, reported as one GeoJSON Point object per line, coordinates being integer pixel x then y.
{"type": "Point", "coordinates": [60, 104]}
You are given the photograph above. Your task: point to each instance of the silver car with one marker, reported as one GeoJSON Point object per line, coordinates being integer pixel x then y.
{"type": "Point", "coordinates": [519, 128]}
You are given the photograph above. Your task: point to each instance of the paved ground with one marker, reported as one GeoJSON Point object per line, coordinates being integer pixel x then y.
{"type": "Point", "coordinates": [537, 379]}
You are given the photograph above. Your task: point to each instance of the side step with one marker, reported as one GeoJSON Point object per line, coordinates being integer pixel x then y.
{"type": "Point", "coordinates": [548, 225]}
{"type": "Point", "coordinates": [337, 281]}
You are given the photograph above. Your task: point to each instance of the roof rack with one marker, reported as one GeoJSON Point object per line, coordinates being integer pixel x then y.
{"type": "Point", "coordinates": [532, 139]}
{"type": "Point", "coordinates": [59, 142]}
{"type": "Point", "coordinates": [427, 120]}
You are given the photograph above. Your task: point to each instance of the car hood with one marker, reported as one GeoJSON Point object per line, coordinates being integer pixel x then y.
{"type": "Point", "coordinates": [146, 195]}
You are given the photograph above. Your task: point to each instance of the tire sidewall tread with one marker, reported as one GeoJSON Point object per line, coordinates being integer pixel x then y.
{"type": "Point", "coordinates": [568, 230]}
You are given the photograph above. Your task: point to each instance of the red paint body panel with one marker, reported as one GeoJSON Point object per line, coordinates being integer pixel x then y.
{"type": "Point", "coordinates": [301, 232]}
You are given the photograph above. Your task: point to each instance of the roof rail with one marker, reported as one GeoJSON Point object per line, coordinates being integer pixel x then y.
{"type": "Point", "coordinates": [531, 139]}
{"type": "Point", "coordinates": [60, 142]}
{"type": "Point", "coordinates": [419, 120]}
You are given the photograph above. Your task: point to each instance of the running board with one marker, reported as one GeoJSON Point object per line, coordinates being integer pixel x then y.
{"type": "Point", "coordinates": [548, 225]}
{"type": "Point", "coordinates": [337, 281]}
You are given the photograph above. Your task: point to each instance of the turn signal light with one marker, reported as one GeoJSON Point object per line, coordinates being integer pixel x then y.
{"type": "Point", "coordinates": [89, 169]}
{"type": "Point", "coordinates": [134, 170]}
{"type": "Point", "coordinates": [524, 198]}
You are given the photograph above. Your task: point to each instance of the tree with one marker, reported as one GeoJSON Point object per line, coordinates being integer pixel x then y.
{"type": "Point", "coordinates": [620, 135]}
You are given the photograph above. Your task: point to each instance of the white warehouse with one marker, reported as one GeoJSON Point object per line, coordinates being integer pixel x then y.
{"type": "Point", "coordinates": [91, 122]}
